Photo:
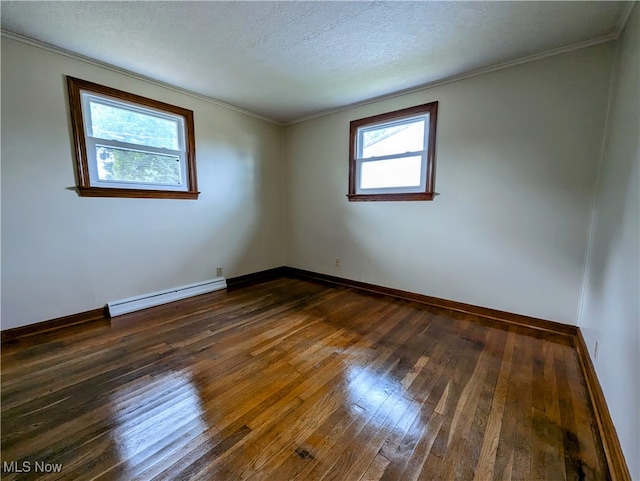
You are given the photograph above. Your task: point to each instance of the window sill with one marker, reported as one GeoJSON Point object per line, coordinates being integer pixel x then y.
{"type": "Point", "coordinates": [390, 197]}
{"type": "Point", "coordinates": [135, 193]}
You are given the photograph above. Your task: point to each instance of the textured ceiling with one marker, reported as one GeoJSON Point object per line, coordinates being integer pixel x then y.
{"type": "Point", "coordinates": [289, 60]}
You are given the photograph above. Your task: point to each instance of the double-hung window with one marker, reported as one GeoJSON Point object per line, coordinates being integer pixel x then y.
{"type": "Point", "coordinates": [131, 146]}
{"type": "Point", "coordinates": [392, 155]}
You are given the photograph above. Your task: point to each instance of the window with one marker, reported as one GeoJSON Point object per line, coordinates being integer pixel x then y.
{"type": "Point", "coordinates": [392, 155]}
{"type": "Point", "coordinates": [130, 146]}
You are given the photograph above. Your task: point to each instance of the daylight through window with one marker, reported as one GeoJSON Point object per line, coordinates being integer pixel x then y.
{"type": "Point", "coordinates": [130, 146]}
{"type": "Point", "coordinates": [392, 156]}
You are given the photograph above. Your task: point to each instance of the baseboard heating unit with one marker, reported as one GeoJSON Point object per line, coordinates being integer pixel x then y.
{"type": "Point", "coordinates": [144, 301]}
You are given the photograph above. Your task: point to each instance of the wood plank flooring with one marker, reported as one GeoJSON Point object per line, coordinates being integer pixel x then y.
{"type": "Point", "coordinates": [297, 380]}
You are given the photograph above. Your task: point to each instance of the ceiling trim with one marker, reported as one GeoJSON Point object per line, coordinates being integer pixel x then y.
{"type": "Point", "coordinates": [129, 73]}
{"type": "Point", "coordinates": [624, 17]}
{"type": "Point", "coordinates": [473, 73]}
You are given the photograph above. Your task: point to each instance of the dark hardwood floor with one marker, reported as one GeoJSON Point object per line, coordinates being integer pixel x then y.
{"type": "Point", "coordinates": [292, 379]}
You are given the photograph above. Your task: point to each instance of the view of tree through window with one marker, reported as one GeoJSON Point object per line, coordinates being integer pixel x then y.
{"type": "Point", "coordinates": [132, 127]}
{"type": "Point", "coordinates": [127, 145]}
{"type": "Point", "coordinates": [115, 123]}
{"type": "Point", "coordinates": [132, 166]}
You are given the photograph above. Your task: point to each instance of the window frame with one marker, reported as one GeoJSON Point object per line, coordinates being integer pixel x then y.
{"type": "Point", "coordinates": [83, 161]}
{"type": "Point", "coordinates": [426, 192]}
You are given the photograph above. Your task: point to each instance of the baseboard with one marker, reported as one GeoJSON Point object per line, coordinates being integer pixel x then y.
{"type": "Point", "coordinates": [152, 299]}
{"type": "Point", "coordinates": [256, 277]}
{"type": "Point", "coordinates": [610, 442]}
{"type": "Point", "coordinates": [615, 458]}
{"type": "Point", "coordinates": [277, 272]}
{"type": "Point", "coordinates": [53, 324]}
{"type": "Point", "coordinates": [103, 314]}
{"type": "Point", "coordinates": [485, 312]}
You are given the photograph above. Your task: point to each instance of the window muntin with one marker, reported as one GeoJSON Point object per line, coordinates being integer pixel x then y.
{"type": "Point", "coordinates": [125, 122]}
{"type": "Point", "coordinates": [393, 137]}
{"type": "Point", "coordinates": [131, 146]}
{"type": "Point", "coordinates": [392, 155]}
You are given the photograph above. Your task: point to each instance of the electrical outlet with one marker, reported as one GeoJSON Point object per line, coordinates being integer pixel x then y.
{"type": "Point", "coordinates": [337, 262]}
{"type": "Point", "coordinates": [596, 351]}
{"type": "Point", "coordinates": [219, 271]}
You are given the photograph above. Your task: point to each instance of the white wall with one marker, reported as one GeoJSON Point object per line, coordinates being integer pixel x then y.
{"type": "Point", "coordinates": [63, 254]}
{"type": "Point", "coordinates": [517, 157]}
{"type": "Point", "coordinates": [611, 306]}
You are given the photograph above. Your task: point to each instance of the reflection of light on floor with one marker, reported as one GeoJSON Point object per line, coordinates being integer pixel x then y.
{"type": "Point", "coordinates": [381, 395]}
{"type": "Point", "coordinates": [156, 418]}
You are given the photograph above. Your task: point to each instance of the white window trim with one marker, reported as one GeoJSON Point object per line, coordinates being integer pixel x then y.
{"type": "Point", "coordinates": [425, 191]}
{"type": "Point", "coordinates": [93, 142]}
{"type": "Point", "coordinates": [87, 182]}
{"type": "Point", "coordinates": [418, 153]}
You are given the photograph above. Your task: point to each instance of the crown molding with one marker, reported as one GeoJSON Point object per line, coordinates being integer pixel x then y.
{"type": "Point", "coordinates": [624, 18]}
{"type": "Point", "coordinates": [462, 76]}
{"type": "Point", "coordinates": [465, 75]}
{"type": "Point", "coordinates": [129, 73]}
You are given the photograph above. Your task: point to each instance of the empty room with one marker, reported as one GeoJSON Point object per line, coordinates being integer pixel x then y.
{"type": "Point", "coordinates": [332, 240]}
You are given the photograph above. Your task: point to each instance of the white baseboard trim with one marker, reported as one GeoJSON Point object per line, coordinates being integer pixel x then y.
{"type": "Point", "coordinates": [144, 301]}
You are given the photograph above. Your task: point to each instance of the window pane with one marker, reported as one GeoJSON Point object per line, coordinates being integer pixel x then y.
{"type": "Point", "coordinates": [379, 174]}
{"type": "Point", "coordinates": [114, 123]}
{"type": "Point", "coordinates": [396, 139]}
{"type": "Point", "coordinates": [142, 167]}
